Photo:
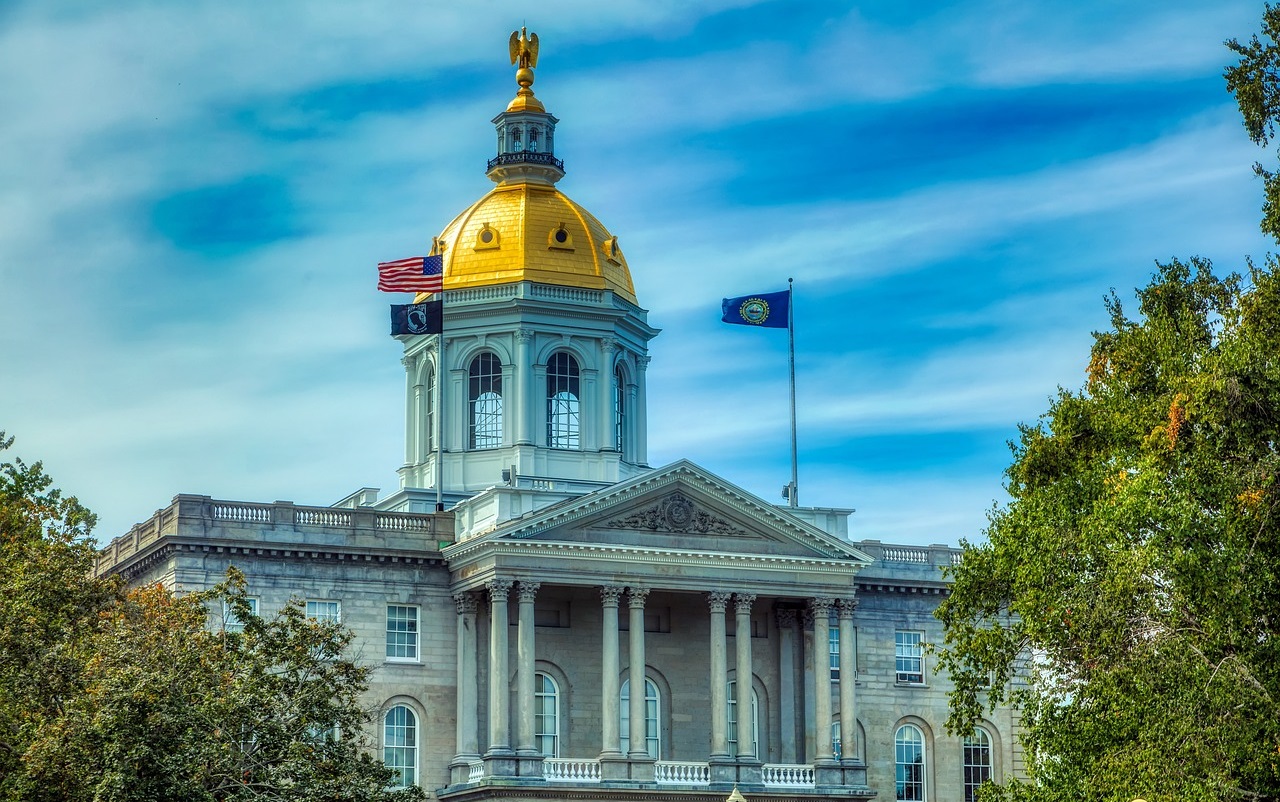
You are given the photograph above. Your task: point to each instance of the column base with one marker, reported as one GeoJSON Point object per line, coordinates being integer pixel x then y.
{"type": "Point", "coordinates": [614, 767]}
{"type": "Point", "coordinates": [500, 763]}
{"type": "Point", "coordinates": [750, 775]}
{"type": "Point", "coordinates": [855, 772]}
{"type": "Point", "coordinates": [641, 769]}
{"type": "Point", "coordinates": [724, 770]}
{"type": "Point", "coordinates": [828, 772]}
{"type": "Point", "coordinates": [529, 765]}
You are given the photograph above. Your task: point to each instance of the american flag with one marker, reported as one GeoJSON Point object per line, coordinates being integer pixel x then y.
{"type": "Point", "coordinates": [415, 274]}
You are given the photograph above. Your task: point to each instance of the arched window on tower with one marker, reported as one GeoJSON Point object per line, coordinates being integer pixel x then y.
{"type": "Point", "coordinates": [485, 399]}
{"type": "Point", "coordinates": [429, 419]}
{"type": "Point", "coordinates": [619, 409]}
{"type": "Point", "coordinates": [563, 418]}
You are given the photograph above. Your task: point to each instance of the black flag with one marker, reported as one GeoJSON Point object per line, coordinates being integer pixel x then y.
{"type": "Point", "coordinates": [423, 318]}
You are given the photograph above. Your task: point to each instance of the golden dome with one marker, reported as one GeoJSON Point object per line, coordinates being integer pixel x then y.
{"type": "Point", "coordinates": [532, 232]}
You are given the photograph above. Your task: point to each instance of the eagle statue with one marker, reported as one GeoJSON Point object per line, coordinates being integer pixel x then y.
{"type": "Point", "coordinates": [524, 50]}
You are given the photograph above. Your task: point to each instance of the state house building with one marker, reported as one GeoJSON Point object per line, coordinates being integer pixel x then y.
{"type": "Point", "coordinates": [576, 624]}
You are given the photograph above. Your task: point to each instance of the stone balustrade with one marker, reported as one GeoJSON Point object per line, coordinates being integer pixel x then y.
{"type": "Point", "coordinates": [787, 775]}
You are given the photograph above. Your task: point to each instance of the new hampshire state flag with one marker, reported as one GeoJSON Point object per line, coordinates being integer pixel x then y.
{"type": "Point", "coordinates": [768, 310]}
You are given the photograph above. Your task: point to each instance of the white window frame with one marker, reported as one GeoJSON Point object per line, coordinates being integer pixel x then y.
{"type": "Point", "coordinates": [414, 631]}
{"type": "Point", "coordinates": [405, 730]}
{"type": "Point", "coordinates": [327, 615]}
{"type": "Point", "coordinates": [974, 774]}
{"type": "Point", "coordinates": [653, 714]}
{"type": "Point", "coordinates": [230, 623]}
{"type": "Point", "coordinates": [908, 655]}
{"type": "Point", "coordinates": [905, 787]}
{"type": "Point", "coordinates": [546, 709]}
{"type": "Point", "coordinates": [732, 716]}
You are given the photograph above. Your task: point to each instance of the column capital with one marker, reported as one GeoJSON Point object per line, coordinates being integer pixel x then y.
{"type": "Point", "coordinates": [786, 617]}
{"type": "Point", "coordinates": [524, 335]}
{"type": "Point", "coordinates": [636, 596]}
{"type": "Point", "coordinates": [642, 362]}
{"type": "Point", "coordinates": [499, 589]}
{"type": "Point", "coordinates": [408, 362]}
{"type": "Point", "coordinates": [718, 600]}
{"type": "Point", "coordinates": [742, 603]}
{"type": "Point", "coordinates": [845, 608]}
{"type": "Point", "coordinates": [465, 602]}
{"type": "Point", "coordinates": [821, 605]}
{"type": "Point", "coordinates": [608, 345]}
{"type": "Point", "coordinates": [610, 594]}
{"type": "Point", "coordinates": [525, 591]}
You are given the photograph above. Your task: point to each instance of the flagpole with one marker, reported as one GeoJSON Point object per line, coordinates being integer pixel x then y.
{"type": "Point", "coordinates": [792, 497]}
{"type": "Point", "coordinates": [440, 378]}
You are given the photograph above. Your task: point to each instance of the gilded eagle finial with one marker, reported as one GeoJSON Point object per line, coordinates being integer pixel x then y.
{"type": "Point", "coordinates": [524, 49]}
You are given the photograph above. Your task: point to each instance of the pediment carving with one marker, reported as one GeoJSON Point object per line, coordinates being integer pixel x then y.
{"type": "Point", "coordinates": [677, 513]}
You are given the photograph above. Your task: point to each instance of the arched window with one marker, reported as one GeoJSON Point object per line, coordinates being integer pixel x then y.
{"type": "Point", "coordinates": [733, 720]}
{"type": "Point", "coordinates": [400, 745]}
{"type": "Point", "coordinates": [619, 408]}
{"type": "Point", "coordinates": [485, 396]}
{"type": "Point", "coordinates": [562, 401]}
{"type": "Point", "coordinates": [652, 705]}
{"type": "Point", "coordinates": [837, 743]}
{"type": "Point", "coordinates": [977, 762]}
{"type": "Point", "coordinates": [429, 420]}
{"type": "Point", "coordinates": [908, 746]}
{"type": "Point", "coordinates": [546, 714]}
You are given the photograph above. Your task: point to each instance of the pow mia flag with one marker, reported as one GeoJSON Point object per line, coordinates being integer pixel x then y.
{"type": "Point", "coordinates": [423, 318]}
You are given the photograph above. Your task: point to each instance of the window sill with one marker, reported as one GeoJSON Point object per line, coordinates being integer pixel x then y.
{"type": "Point", "coordinates": [404, 661]}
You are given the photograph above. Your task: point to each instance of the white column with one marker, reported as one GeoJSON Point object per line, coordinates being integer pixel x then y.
{"type": "Point", "coordinates": [637, 746]}
{"type": "Point", "coordinates": [821, 678]}
{"type": "Point", "coordinates": [605, 439]}
{"type": "Point", "coordinates": [611, 743]}
{"type": "Point", "coordinates": [742, 641]}
{"type": "Point", "coordinates": [525, 592]}
{"type": "Point", "coordinates": [641, 412]}
{"type": "Point", "coordinates": [523, 397]}
{"type": "Point", "coordinates": [848, 674]}
{"type": "Point", "coordinates": [410, 411]}
{"type": "Point", "coordinates": [719, 677]}
{"type": "Point", "coordinates": [499, 728]}
{"type": "Point", "coordinates": [468, 718]}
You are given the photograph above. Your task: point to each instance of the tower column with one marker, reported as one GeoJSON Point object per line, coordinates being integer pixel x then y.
{"type": "Point", "coordinates": [524, 400]}
{"type": "Point", "coordinates": [468, 718]}
{"type": "Point", "coordinates": [411, 393]}
{"type": "Point", "coordinates": [605, 437]}
{"type": "Point", "coordinates": [641, 411]}
{"type": "Point", "coordinates": [498, 758]}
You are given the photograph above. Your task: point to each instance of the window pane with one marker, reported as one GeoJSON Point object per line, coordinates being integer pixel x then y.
{"type": "Point", "coordinates": [909, 759]}
{"type": "Point", "coordinates": [619, 407]}
{"type": "Point", "coordinates": [546, 710]}
{"type": "Point", "coordinates": [909, 653]}
{"type": "Point", "coordinates": [652, 709]}
{"type": "Point", "coordinates": [230, 622]}
{"type": "Point", "coordinates": [562, 402]}
{"type": "Point", "coordinates": [485, 398]}
{"type": "Point", "coordinates": [324, 611]}
{"type": "Point", "coordinates": [402, 632]}
{"type": "Point", "coordinates": [977, 762]}
{"type": "Point", "coordinates": [400, 744]}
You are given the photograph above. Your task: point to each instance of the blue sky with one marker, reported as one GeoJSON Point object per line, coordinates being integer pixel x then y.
{"type": "Point", "coordinates": [193, 197]}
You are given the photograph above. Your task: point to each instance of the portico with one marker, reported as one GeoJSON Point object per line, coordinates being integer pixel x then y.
{"type": "Point", "coordinates": [688, 566]}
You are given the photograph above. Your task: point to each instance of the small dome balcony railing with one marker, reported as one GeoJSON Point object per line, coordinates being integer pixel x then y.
{"type": "Point", "coordinates": [526, 157]}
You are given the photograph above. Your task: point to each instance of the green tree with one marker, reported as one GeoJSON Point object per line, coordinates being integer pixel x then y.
{"type": "Point", "coordinates": [1255, 81]}
{"type": "Point", "coordinates": [1127, 598]}
{"type": "Point", "coordinates": [113, 696]}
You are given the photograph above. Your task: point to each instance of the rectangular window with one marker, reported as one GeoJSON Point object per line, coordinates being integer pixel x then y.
{"type": "Point", "coordinates": [230, 622]}
{"type": "Point", "coordinates": [324, 611]}
{"type": "Point", "coordinates": [402, 632]}
{"type": "Point", "coordinates": [909, 654]}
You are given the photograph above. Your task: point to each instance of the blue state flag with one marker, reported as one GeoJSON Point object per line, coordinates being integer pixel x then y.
{"type": "Point", "coordinates": [770, 310]}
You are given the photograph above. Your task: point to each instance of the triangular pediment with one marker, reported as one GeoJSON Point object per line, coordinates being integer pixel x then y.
{"type": "Point", "coordinates": [681, 507]}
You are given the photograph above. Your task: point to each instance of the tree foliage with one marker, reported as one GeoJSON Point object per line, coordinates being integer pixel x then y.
{"type": "Point", "coordinates": [1127, 597]}
{"type": "Point", "coordinates": [1255, 81]}
{"type": "Point", "coordinates": [109, 695]}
